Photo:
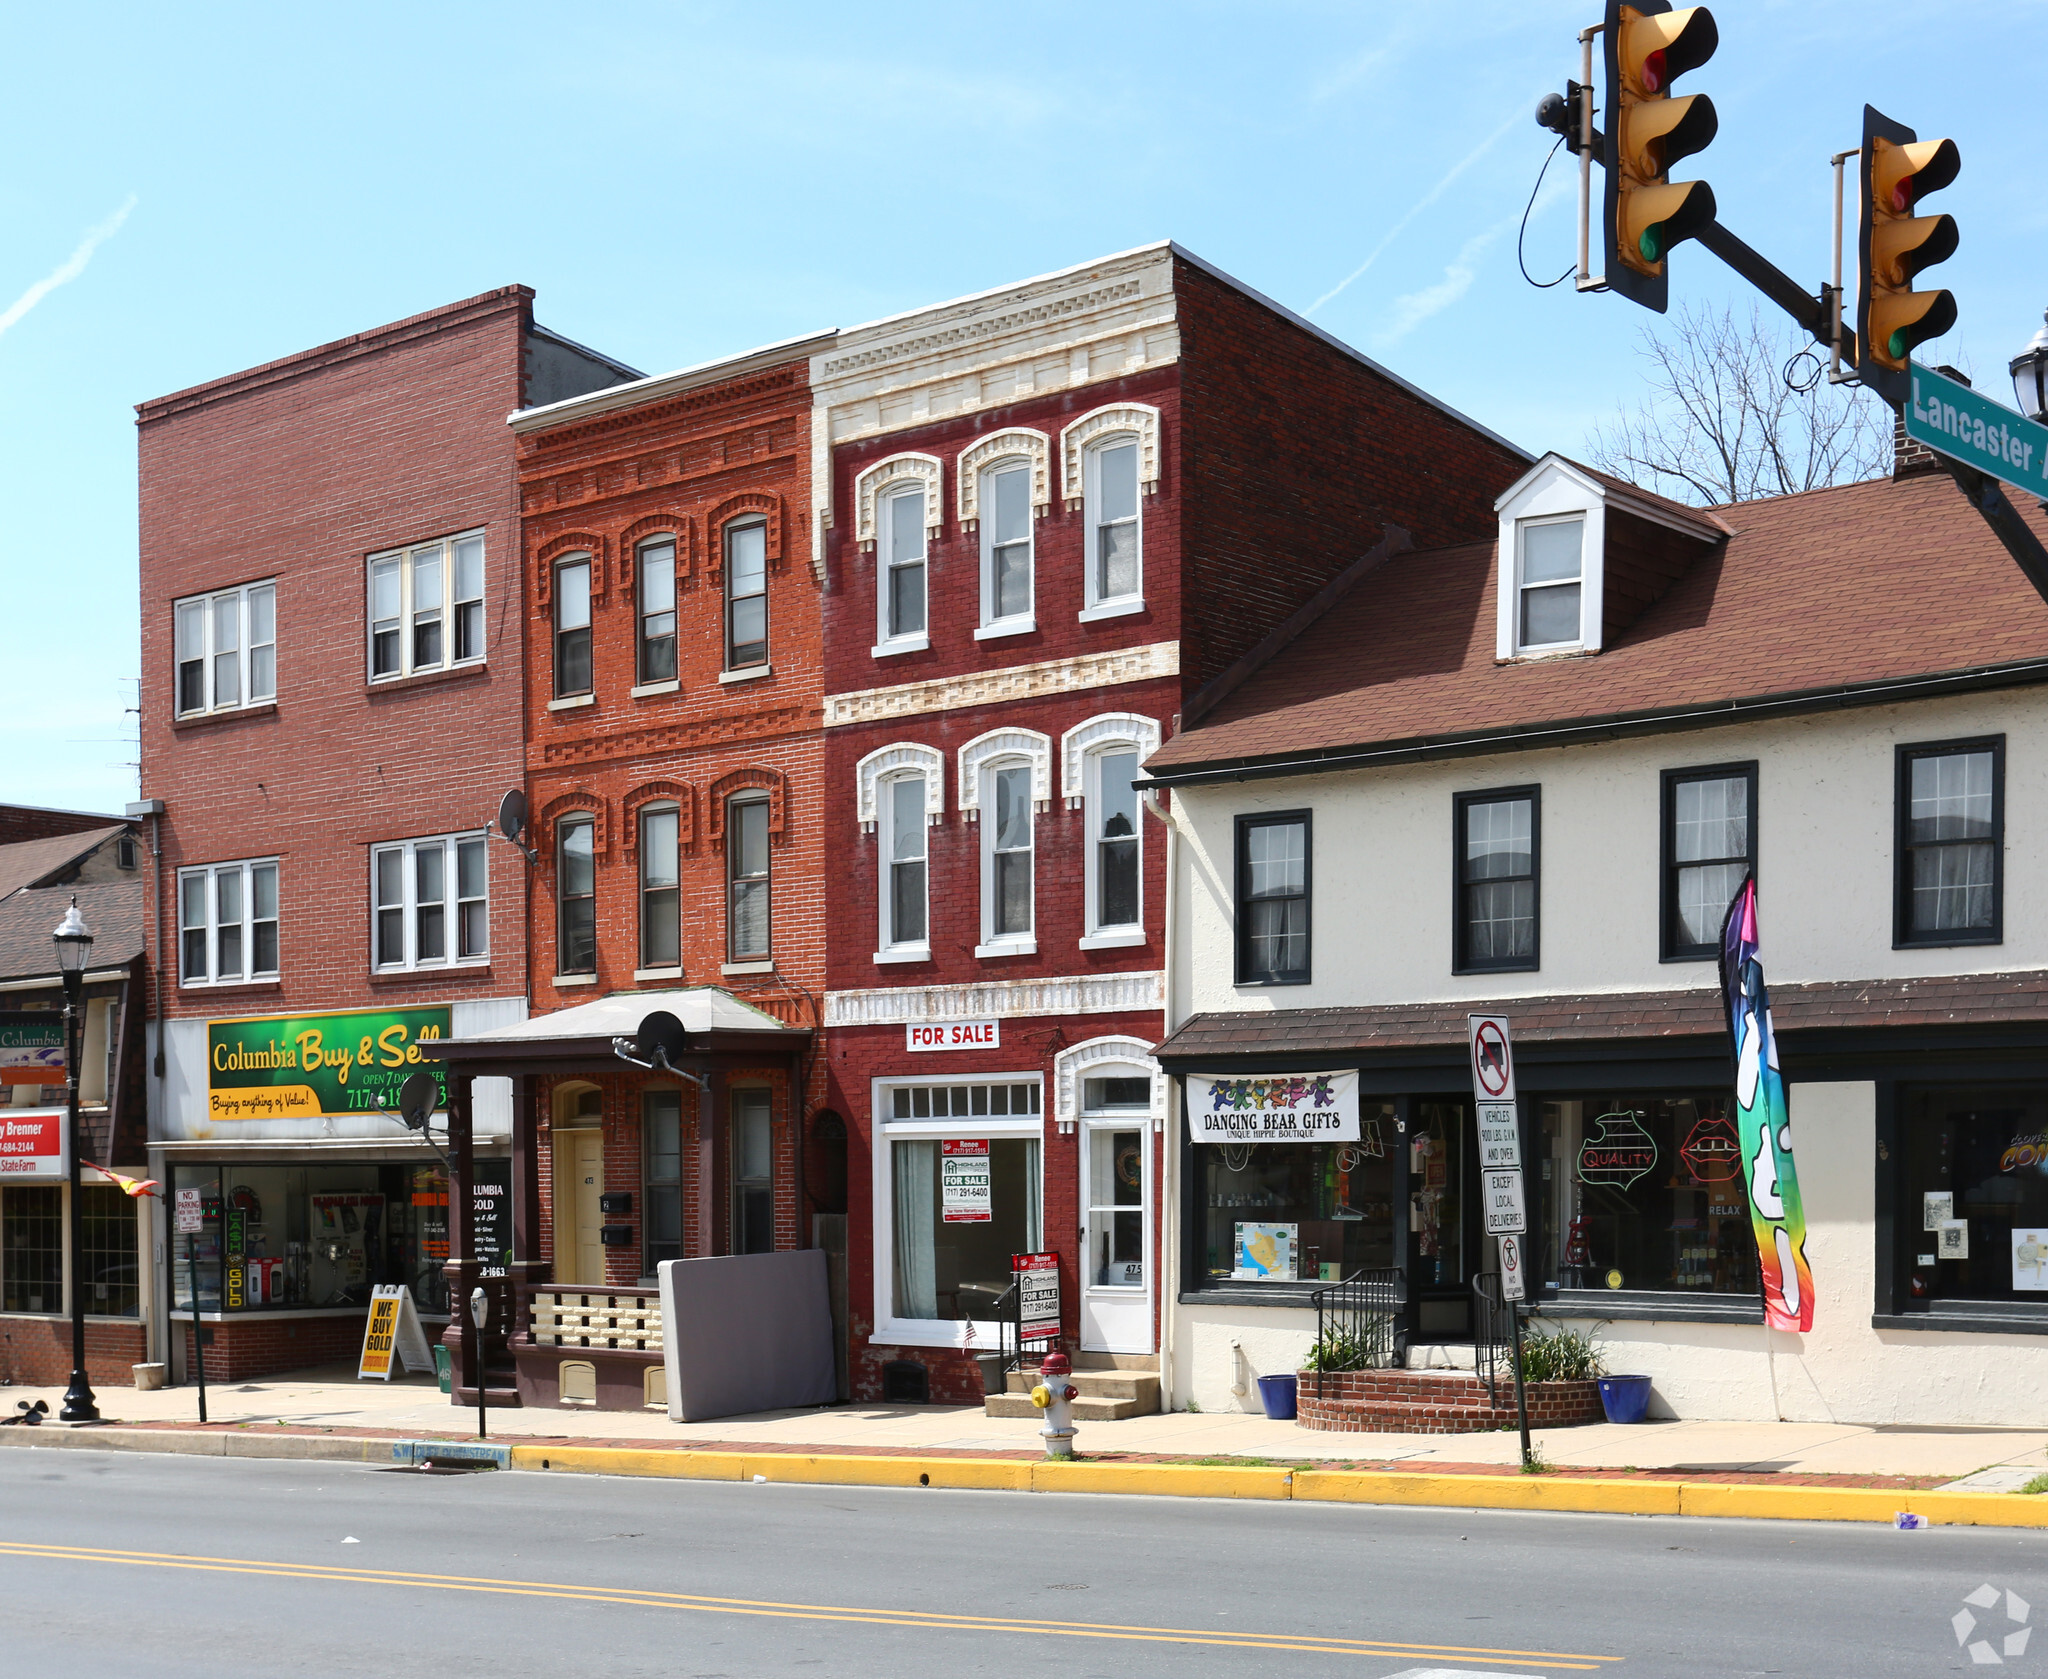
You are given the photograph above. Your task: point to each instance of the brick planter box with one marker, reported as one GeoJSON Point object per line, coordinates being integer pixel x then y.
{"type": "Point", "coordinates": [1436, 1402]}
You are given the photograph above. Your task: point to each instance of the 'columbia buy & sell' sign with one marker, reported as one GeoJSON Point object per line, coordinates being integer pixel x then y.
{"type": "Point", "coordinates": [303, 1066]}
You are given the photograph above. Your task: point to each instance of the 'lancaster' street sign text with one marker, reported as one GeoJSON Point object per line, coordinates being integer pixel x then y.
{"type": "Point", "coordinates": [1953, 420]}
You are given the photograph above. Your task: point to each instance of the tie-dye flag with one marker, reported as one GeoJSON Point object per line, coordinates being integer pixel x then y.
{"type": "Point", "coordinates": [1764, 1123]}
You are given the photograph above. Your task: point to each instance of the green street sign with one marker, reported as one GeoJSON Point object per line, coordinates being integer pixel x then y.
{"type": "Point", "coordinates": [1953, 420]}
{"type": "Point", "coordinates": [303, 1066]}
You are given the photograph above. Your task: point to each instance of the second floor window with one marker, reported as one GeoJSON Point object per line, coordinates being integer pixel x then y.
{"type": "Point", "coordinates": [1709, 847]}
{"type": "Point", "coordinates": [655, 565]}
{"type": "Point", "coordinates": [227, 923]}
{"type": "Point", "coordinates": [1273, 899]}
{"type": "Point", "coordinates": [905, 911]}
{"type": "Point", "coordinates": [431, 902]}
{"type": "Point", "coordinates": [1114, 573]}
{"type": "Point", "coordinates": [226, 649]}
{"type": "Point", "coordinates": [903, 556]}
{"type": "Point", "coordinates": [746, 594]}
{"type": "Point", "coordinates": [1007, 829]}
{"type": "Point", "coordinates": [1113, 863]}
{"type": "Point", "coordinates": [661, 927]}
{"type": "Point", "coordinates": [746, 864]}
{"type": "Point", "coordinates": [427, 606]}
{"type": "Point", "coordinates": [1951, 844]}
{"type": "Point", "coordinates": [1006, 548]}
{"type": "Point", "coordinates": [1496, 873]}
{"type": "Point", "coordinates": [576, 895]}
{"type": "Point", "coordinates": [1547, 582]}
{"type": "Point", "coordinates": [572, 626]}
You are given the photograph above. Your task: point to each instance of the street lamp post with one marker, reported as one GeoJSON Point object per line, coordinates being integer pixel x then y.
{"type": "Point", "coordinates": [2030, 376]}
{"type": "Point", "coordinates": [74, 943]}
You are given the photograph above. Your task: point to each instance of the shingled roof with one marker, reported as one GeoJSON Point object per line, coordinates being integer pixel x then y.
{"type": "Point", "coordinates": [113, 909]}
{"type": "Point", "coordinates": [1877, 591]}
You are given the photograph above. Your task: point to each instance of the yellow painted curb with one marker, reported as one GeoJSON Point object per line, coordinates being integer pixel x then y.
{"type": "Point", "coordinates": [1169, 1480]}
{"type": "Point", "coordinates": [629, 1460]}
{"type": "Point", "coordinates": [1489, 1492]}
{"type": "Point", "coordinates": [987, 1474]}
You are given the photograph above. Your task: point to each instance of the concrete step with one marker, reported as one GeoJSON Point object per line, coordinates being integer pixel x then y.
{"type": "Point", "coordinates": [1105, 1395]}
{"type": "Point", "coordinates": [1085, 1409]}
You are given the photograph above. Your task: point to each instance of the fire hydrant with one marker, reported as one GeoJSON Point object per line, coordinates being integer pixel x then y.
{"type": "Point", "coordinates": [1055, 1396]}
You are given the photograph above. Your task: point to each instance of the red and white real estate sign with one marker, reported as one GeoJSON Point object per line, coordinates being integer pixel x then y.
{"type": "Point", "coordinates": [955, 1034]}
{"type": "Point", "coordinates": [963, 1181]}
{"type": "Point", "coordinates": [1038, 1294]}
{"type": "Point", "coordinates": [32, 1146]}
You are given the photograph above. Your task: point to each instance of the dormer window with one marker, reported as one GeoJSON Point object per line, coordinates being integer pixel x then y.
{"type": "Point", "coordinates": [1549, 583]}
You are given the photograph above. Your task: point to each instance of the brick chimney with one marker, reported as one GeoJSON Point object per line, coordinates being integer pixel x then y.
{"type": "Point", "coordinates": [1914, 460]}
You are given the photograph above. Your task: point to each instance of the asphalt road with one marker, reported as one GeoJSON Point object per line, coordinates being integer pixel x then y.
{"type": "Point", "coordinates": [219, 1569]}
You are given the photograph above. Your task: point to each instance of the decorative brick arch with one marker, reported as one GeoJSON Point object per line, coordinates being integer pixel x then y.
{"type": "Point", "coordinates": [1110, 728]}
{"type": "Point", "coordinates": [887, 761]}
{"type": "Point", "coordinates": [735, 507]}
{"type": "Point", "coordinates": [569, 542]}
{"type": "Point", "coordinates": [1013, 443]}
{"type": "Point", "coordinates": [678, 525]}
{"type": "Point", "coordinates": [1071, 1066]}
{"type": "Point", "coordinates": [773, 782]}
{"type": "Point", "coordinates": [1131, 419]}
{"type": "Point", "coordinates": [885, 475]}
{"type": "Point", "coordinates": [1034, 748]}
{"type": "Point", "coordinates": [680, 794]}
{"type": "Point", "coordinates": [566, 804]}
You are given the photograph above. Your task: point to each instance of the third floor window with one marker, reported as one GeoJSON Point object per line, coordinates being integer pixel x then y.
{"type": "Point", "coordinates": [226, 649]}
{"type": "Point", "coordinates": [746, 594]}
{"type": "Point", "coordinates": [427, 606]}
{"type": "Point", "coordinates": [655, 564]}
{"type": "Point", "coordinates": [572, 626]}
{"type": "Point", "coordinates": [903, 565]}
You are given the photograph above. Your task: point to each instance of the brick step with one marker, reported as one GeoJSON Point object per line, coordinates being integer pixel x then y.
{"type": "Point", "coordinates": [1427, 1402]}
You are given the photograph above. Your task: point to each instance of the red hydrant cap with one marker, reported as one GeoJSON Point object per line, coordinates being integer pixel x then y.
{"type": "Point", "coordinates": [1055, 1365]}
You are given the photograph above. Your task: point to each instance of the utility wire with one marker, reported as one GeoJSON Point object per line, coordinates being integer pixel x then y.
{"type": "Point", "coordinates": [1521, 233]}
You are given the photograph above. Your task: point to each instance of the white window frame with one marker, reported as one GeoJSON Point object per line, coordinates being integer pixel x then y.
{"type": "Point", "coordinates": [1081, 749]}
{"type": "Point", "coordinates": [891, 1330]}
{"type": "Point", "coordinates": [673, 810]}
{"type": "Point", "coordinates": [992, 942]}
{"type": "Point", "coordinates": [897, 502]}
{"type": "Point", "coordinates": [249, 670]}
{"type": "Point", "coordinates": [1522, 587]}
{"type": "Point", "coordinates": [452, 902]}
{"type": "Point", "coordinates": [1017, 623]}
{"type": "Point", "coordinates": [210, 874]}
{"type": "Point", "coordinates": [448, 615]}
{"type": "Point", "coordinates": [764, 958]}
{"type": "Point", "coordinates": [1555, 489]}
{"type": "Point", "coordinates": [1080, 446]}
{"type": "Point", "coordinates": [890, 948]}
{"type": "Point", "coordinates": [980, 758]}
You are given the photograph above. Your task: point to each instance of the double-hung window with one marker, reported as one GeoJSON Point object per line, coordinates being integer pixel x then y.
{"type": "Point", "coordinates": [746, 873]}
{"type": "Point", "coordinates": [1709, 847]}
{"type": "Point", "coordinates": [1950, 848]}
{"type": "Point", "coordinates": [1496, 862]}
{"type": "Point", "coordinates": [903, 566]}
{"type": "Point", "coordinates": [661, 1128]}
{"type": "Point", "coordinates": [576, 895]}
{"type": "Point", "coordinates": [572, 626]}
{"type": "Point", "coordinates": [1115, 575]}
{"type": "Point", "coordinates": [661, 927]}
{"type": "Point", "coordinates": [1113, 892]}
{"type": "Point", "coordinates": [1006, 604]}
{"type": "Point", "coordinates": [655, 567]}
{"type": "Point", "coordinates": [746, 594]}
{"type": "Point", "coordinates": [226, 649]}
{"type": "Point", "coordinates": [753, 1169]}
{"type": "Point", "coordinates": [427, 606]}
{"type": "Point", "coordinates": [1549, 585]}
{"type": "Point", "coordinates": [430, 900]}
{"type": "Point", "coordinates": [905, 906]}
{"type": "Point", "coordinates": [1007, 857]}
{"type": "Point", "coordinates": [227, 923]}
{"type": "Point", "coordinates": [1273, 880]}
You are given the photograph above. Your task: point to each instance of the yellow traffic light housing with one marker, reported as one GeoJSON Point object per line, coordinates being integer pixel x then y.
{"type": "Point", "coordinates": [1897, 169]}
{"type": "Point", "coordinates": [1648, 47]}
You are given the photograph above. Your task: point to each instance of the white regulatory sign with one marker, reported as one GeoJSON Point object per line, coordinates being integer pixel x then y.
{"type": "Point", "coordinates": [1504, 1215]}
{"type": "Point", "coordinates": [1493, 1058]}
{"type": "Point", "coordinates": [1500, 1138]}
{"type": "Point", "coordinates": [189, 1214]}
{"type": "Point", "coordinates": [1512, 1285]}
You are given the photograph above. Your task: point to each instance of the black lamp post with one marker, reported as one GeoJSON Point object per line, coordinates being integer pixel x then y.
{"type": "Point", "coordinates": [74, 943]}
{"type": "Point", "coordinates": [2030, 377]}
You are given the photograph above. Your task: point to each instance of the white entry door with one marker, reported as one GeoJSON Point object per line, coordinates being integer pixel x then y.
{"type": "Point", "coordinates": [1116, 1201]}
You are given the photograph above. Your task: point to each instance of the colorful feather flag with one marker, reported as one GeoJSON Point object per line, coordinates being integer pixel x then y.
{"type": "Point", "coordinates": [131, 1187]}
{"type": "Point", "coordinates": [1763, 1123]}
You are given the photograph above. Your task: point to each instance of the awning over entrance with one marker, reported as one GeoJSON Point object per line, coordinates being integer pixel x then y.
{"type": "Point", "coordinates": [717, 1021]}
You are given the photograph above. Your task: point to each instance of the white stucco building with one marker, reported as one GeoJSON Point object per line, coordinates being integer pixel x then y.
{"type": "Point", "coordinates": [1526, 777]}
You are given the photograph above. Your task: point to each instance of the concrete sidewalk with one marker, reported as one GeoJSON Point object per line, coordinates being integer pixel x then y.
{"type": "Point", "coordinates": [330, 1400]}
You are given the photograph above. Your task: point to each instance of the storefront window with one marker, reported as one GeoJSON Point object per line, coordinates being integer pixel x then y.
{"type": "Point", "coordinates": [113, 1284]}
{"type": "Point", "coordinates": [964, 1195]}
{"type": "Point", "coordinates": [1299, 1212]}
{"type": "Point", "coordinates": [1646, 1192]}
{"type": "Point", "coordinates": [32, 1248]}
{"type": "Point", "coordinates": [1974, 1216]}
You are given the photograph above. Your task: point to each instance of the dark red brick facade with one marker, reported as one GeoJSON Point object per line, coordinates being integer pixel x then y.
{"type": "Point", "coordinates": [36, 1352]}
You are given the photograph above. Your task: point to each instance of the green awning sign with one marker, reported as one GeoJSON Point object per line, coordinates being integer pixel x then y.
{"type": "Point", "coordinates": [1953, 420]}
{"type": "Point", "coordinates": [303, 1066]}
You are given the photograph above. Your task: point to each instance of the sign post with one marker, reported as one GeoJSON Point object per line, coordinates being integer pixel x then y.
{"type": "Point", "coordinates": [189, 1219]}
{"type": "Point", "coordinates": [1500, 1157]}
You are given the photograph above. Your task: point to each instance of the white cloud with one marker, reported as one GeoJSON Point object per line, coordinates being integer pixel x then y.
{"type": "Point", "coordinates": [1409, 311]}
{"type": "Point", "coordinates": [69, 269]}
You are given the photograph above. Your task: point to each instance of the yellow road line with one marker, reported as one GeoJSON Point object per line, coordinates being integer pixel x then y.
{"type": "Point", "coordinates": [929, 1620]}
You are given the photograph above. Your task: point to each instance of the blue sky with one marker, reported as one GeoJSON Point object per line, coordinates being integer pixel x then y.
{"type": "Point", "coordinates": [681, 182]}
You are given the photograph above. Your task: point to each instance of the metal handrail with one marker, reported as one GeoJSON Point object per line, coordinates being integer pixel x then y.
{"type": "Point", "coordinates": [1361, 1310]}
{"type": "Point", "coordinates": [1492, 1334]}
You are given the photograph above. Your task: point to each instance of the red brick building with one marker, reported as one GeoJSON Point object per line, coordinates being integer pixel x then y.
{"type": "Point", "coordinates": [333, 649]}
{"type": "Point", "coordinates": [1058, 515]}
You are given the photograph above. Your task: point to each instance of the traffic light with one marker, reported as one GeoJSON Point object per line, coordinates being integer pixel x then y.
{"type": "Point", "coordinates": [1893, 245]}
{"type": "Point", "coordinates": [1648, 47]}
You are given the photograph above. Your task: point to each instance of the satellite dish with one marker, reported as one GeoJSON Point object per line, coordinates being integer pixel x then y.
{"type": "Point", "coordinates": [661, 1040]}
{"type": "Point", "coordinates": [512, 815]}
{"type": "Point", "coordinates": [417, 1099]}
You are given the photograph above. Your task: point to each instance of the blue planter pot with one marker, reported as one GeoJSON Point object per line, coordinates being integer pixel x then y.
{"type": "Point", "coordinates": [1277, 1394]}
{"type": "Point", "coordinates": [1625, 1398]}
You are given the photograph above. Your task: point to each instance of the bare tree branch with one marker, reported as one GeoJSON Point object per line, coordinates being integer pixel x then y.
{"type": "Point", "coordinates": [1721, 423]}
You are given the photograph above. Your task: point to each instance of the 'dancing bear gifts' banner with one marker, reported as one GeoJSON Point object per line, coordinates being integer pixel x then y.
{"type": "Point", "coordinates": [1763, 1123]}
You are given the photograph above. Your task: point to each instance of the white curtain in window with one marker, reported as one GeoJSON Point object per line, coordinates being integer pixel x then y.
{"type": "Point", "coordinates": [917, 1223]}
